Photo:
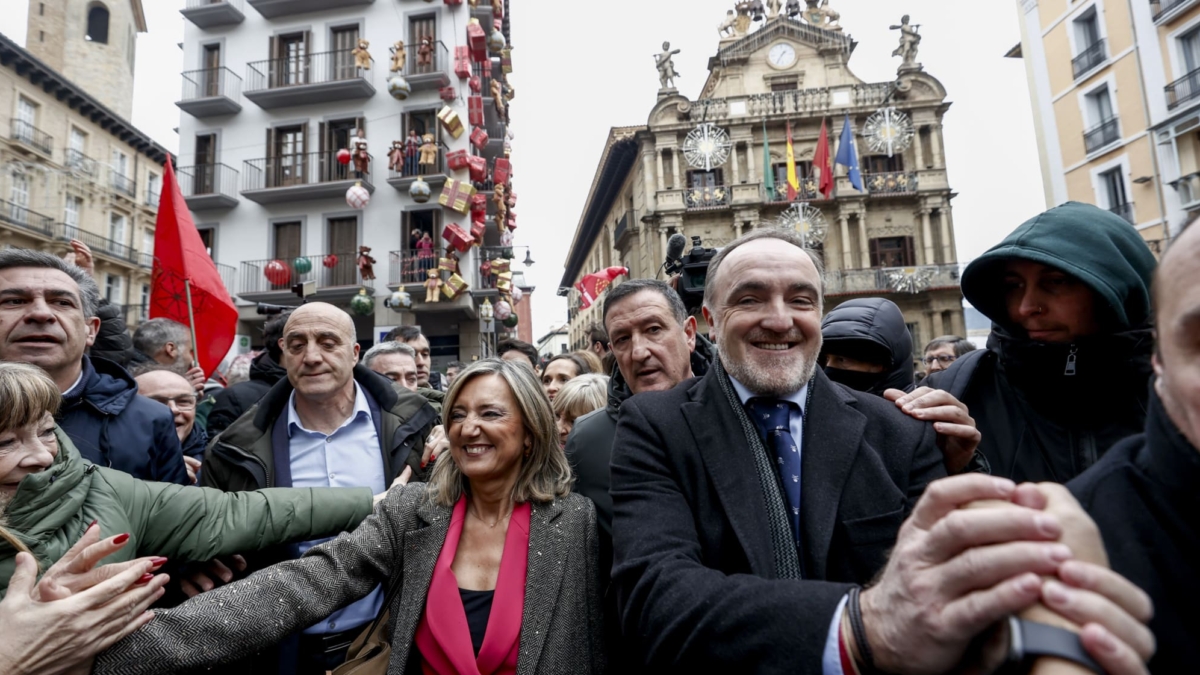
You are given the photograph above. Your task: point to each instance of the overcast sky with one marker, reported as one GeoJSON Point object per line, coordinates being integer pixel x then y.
{"type": "Point", "coordinates": [579, 72]}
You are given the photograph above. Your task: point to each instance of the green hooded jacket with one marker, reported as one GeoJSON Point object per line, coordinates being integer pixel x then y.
{"type": "Point", "coordinates": [51, 510]}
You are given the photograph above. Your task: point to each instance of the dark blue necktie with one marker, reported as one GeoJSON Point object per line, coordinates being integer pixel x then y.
{"type": "Point", "coordinates": [772, 417]}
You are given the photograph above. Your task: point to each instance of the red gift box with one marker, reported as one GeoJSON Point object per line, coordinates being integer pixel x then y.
{"type": "Point", "coordinates": [475, 110]}
{"type": "Point", "coordinates": [511, 200]}
{"type": "Point", "coordinates": [512, 220]}
{"type": "Point", "coordinates": [479, 139]}
{"type": "Point", "coordinates": [477, 41]}
{"type": "Point", "coordinates": [457, 237]}
{"type": "Point", "coordinates": [462, 62]}
{"type": "Point", "coordinates": [479, 204]}
{"type": "Point", "coordinates": [478, 228]}
{"type": "Point", "coordinates": [502, 171]}
{"type": "Point", "coordinates": [486, 67]}
{"type": "Point", "coordinates": [456, 160]}
{"type": "Point", "coordinates": [478, 167]}
{"type": "Point", "coordinates": [448, 94]}
{"type": "Point", "coordinates": [475, 84]}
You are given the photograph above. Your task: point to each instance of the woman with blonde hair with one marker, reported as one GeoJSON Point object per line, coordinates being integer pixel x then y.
{"type": "Point", "coordinates": [577, 398]}
{"type": "Point", "coordinates": [491, 567]}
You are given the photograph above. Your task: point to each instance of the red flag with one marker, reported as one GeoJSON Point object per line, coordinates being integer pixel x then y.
{"type": "Point", "coordinates": [591, 286]}
{"type": "Point", "coordinates": [822, 164]}
{"type": "Point", "coordinates": [179, 257]}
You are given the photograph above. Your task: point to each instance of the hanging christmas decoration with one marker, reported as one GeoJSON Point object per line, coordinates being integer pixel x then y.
{"type": "Point", "coordinates": [496, 42]}
{"type": "Point", "coordinates": [888, 130]}
{"type": "Point", "coordinates": [399, 87]}
{"type": "Point", "coordinates": [506, 239]}
{"type": "Point", "coordinates": [448, 94]}
{"type": "Point", "coordinates": [366, 263]}
{"type": "Point", "coordinates": [451, 122]}
{"type": "Point", "coordinates": [420, 191]}
{"type": "Point", "coordinates": [302, 265]}
{"type": "Point", "coordinates": [517, 295]}
{"type": "Point", "coordinates": [277, 273]}
{"type": "Point", "coordinates": [343, 156]}
{"type": "Point", "coordinates": [330, 261]}
{"type": "Point", "coordinates": [909, 279]}
{"type": "Point", "coordinates": [502, 310]}
{"type": "Point", "coordinates": [399, 300]}
{"type": "Point", "coordinates": [362, 304]}
{"type": "Point", "coordinates": [805, 219]}
{"type": "Point", "coordinates": [511, 322]}
{"type": "Point", "coordinates": [454, 286]}
{"type": "Point", "coordinates": [357, 197]}
{"type": "Point", "coordinates": [707, 146]}
{"type": "Point", "coordinates": [433, 283]}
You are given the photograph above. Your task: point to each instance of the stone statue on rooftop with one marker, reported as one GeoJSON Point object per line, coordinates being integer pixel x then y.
{"type": "Point", "coordinates": [666, 66]}
{"type": "Point", "coordinates": [910, 39]}
{"type": "Point", "coordinates": [821, 15]}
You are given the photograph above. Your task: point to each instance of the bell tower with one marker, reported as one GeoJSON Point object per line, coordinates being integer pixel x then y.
{"type": "Point", "coordinates": [92, 43]}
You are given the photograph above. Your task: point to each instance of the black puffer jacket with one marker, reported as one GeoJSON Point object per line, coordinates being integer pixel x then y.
{"type": "Point", "coordinates": [113, 341]}
{"type": "Point", "coordinates": [870, 329]}
{"type": "Point", "coordinates": [235, 400]}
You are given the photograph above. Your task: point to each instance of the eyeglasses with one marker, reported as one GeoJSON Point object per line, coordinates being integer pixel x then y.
{"type": "Point", "coordinates": [944, 359]}
{"type": "Point", "coordinates": [183, 402]}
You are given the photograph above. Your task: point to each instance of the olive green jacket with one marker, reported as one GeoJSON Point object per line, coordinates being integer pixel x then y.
{"type": "Point", "coordinates": [51, 510]}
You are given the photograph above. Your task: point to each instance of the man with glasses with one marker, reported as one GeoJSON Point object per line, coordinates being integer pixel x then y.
{"type": "Point", "coordinates": [944, 350]}
{"type": "Point", "coordinates": [165, 385]}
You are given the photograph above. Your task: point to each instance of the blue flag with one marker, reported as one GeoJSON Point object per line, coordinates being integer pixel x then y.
{"type": "Point", "coordinates": [847, 157]}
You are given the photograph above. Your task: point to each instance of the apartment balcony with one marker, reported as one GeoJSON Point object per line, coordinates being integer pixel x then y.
{"type": "Point", "coordinates": [80, 164]}
{"type": "Point", "coordinates": [146, 259]}
{"type": "Point", "coordinates": [408, 271]}
{"type": "Point", "coordinates": [210, 92]}
{"type": "Point", "coordinates": [1163, 11]}
{"type": "Point", "coordinates": [136, 314]}
{"type": "Point", "coordinates": [1092, 56]}
{"type": "Point", "coordinates": [12, 213]}
{"type": "Point", "coordinates": [908, 280]}
{"type": "Point", "coordinates": [99, 244]}
{"type": "Point", "coordinates": [427, 70]}
{"type": "Point", "coordinates": [1184, 90]}
{"type": "Point", "coordinates": [324, 77]}
{"type": "Point", "coordinates": [213, 13]}
{"type": "Point", "coordinates": [289, 178]}
{"type": "Point", "coordinates": [122, 184]}
{"type": "Point", "coordinates": [485, 77]}
{"type": "Point", "coordinates": [152, 199]}
{"type": "Point", "coordinates": [1188, 188]}
{"type": "Point", "coordinates": [808, 192]}
{"type": "Point", "coordinates": [784, 104]}
{"type": "Point", "coordinates": [1125, 211]}
{"type": "Point", "coordinates": [273, 9]}
{"type": "Point", "coordinates": [1102, 135]}
{"type": "Point", "coordinates": [31, 137]}
{"type": "Point", "coordinates": [436, 175]}
{"type": "Point", "coordinates": [891, 183]}
{"type": "Point", "coordinates": [228, 277]}
{"type": "Point", "coordinates": [336, 276]}
{"type": "Point", "coordinates": [208, 186]}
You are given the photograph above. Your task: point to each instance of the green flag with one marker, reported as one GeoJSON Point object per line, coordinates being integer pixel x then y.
{"type": "Point", "coordinates": [768, 173]}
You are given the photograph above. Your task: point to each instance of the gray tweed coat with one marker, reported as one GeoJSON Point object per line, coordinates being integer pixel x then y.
{"type": "Point", "coordinates": [561, 628]}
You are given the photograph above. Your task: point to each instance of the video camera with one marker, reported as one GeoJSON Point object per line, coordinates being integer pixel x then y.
{"type": "Point", "coordinates": [692, 269]}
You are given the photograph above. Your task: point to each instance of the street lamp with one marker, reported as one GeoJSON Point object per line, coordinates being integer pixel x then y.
{"type": "Point", "coordinates": [528, 258]}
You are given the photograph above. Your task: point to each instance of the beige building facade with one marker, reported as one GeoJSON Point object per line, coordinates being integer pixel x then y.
{"type": "Point", "coordinates": [1115, 86]}
{"type": "Point", "coordinates": [893, 239]}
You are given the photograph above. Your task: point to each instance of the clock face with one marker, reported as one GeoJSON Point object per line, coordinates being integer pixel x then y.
{"type": "Point", "coordinates": [781, 55]}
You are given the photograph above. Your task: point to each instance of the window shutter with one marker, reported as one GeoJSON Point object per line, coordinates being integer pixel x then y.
{"type": "Point", "coordinates": [874, 246]}
{"type": "Point", "coordinates": [910, 256]}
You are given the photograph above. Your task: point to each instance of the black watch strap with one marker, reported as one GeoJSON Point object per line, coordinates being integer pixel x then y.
{"type": "Point", "coordinates": [1031, 640]}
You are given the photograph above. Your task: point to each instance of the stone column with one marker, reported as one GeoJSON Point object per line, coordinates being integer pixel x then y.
{"type": "Point", "coordinates": [658, 156]}
{"type": "Point", "coordinates": [935, 143]}
{"type": "Point", "coordinates": [662, 243]}
{"type": "Point", "coordinates": [926, 237]}
{"type": "Point", "coordinates": [734, 159]}
{"type": "Point", "coordinates": [750, 163]}
{"type": "Point", "coordinates": [947, 244]}
{"type": "Point", "coordinates": [648, 181]}
{"type": "Point", "coordinates": [844, 227]}
{"type": "Point", "coordinates": [864, 249]}
{"type": "Point", "coordinates": [680, 183]}
{"type": "Point", "coordinates": [918, 151]}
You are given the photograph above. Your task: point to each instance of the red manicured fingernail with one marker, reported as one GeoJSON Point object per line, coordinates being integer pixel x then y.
{"type": "Point", "coordinates": [121, 538]}
{"type": "Point", "coordinates": [145, 578]}
{"type": "Point", "coordinates": [158, 562]}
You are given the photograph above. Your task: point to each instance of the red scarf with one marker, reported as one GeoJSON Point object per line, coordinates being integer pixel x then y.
{"type": "Point", "coordinates": [443, 637]}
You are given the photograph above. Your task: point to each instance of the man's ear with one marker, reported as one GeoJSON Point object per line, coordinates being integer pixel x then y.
{"type": "Point", "coordinates": [689, 330]}
{"type": "Point", "coordinates": [93, 329]}
{"type": "Point", "coordinates": [1158, 373]}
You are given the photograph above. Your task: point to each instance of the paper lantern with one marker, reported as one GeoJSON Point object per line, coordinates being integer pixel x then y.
{"type": "Point", "coordinates": [399, 87]}
{"type": "Point", "coordinates": [362, 304]}
{"type": "Point", "coordinates": [511, 322]}
{"type": "Point", "coordinates": [420, 191]}
{"type": "Point", "coordinates": [357, 196]}
{"type": "Point", "coordinates": [277, 273]}
{"type": "Point", "coordinates": [502, 310]}
{"type": "Point", "coordinates": [400, 300]}
{"type": "Point", "coordinates": [343, 156]}
{"type": "Point", "coordinates": [330, 261]}
{"type": "Point", "coordinates": [302, 265]}
{"type": "Point", "coordinates": [517, 294]}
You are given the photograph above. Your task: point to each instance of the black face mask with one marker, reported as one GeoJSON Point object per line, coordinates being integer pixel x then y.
{"type": "Point", "coordinates": [854, 379]}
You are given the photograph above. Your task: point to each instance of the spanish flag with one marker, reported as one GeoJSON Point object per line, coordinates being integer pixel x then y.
{"type": "Point", "coordinates": [792, 179]}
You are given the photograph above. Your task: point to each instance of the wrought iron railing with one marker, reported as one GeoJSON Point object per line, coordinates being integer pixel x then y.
{"type": "Point", "coordinates": [485, 78]}
{"type": "Point", "coordinates": [319, 68]}
{"type": "Point", "coordinates": [209, 83]}
{"type": "Point", "coordinates": [410, 168]}
{"type": "Point", "coordinates": [312, 168]}
{"type": "Point", "coordinates": [135, 314]}
{"type": "Point", "coordinates": [890, 183]}
{"type": "Point", "coordinates": [808, 192]}
{"type": "Point", "coordinates": [1104, 133]}
{"type": "Point", "coordinates": [27, 134]}
{"type": "Point", "coordinates": [146, 259]}
{"type": "Point", "coordinates": [421, 59]}
{"type": "Point", "coordinates": [78, 162]}
{"type": "Point", "coordinates": [228, 276]}
{"type": "Point", "coordinates": [1188, 187]}
{"type": "Point", "coordinates": [122, 183]}
{"type": "Point", "coordinates": [16, 214]}
{"type": "Point", "coordinates": [327, 270]}
{"type": "Point", "coordinates": [207, 179]}
{"type": "Point", "coordinates": [622, 225]}
{"type": "Point", "coordinates": [152, 198]}
{"type": "Point", "coordinates": [1125, 211]}
{"type": "Point", "coordinates": [710, 197]}
{"type": "Point", "coordinates": [1183, 90]}
{"type": "Point", "coordinates": [1159, 9]}
{"type": "Point", "coordinates": [892, 279]}
{"type": "Point", "coordinates": [1091, 56]}
{"type": "Point", "coordinates": [798, 101]}
{"type": "Point", "coordinates": [412, 265]}
{"type": "Point", "coordinates": [97, 243]}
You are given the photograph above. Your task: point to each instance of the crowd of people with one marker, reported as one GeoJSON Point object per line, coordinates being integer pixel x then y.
{"type": "Point", "coordinates": [790, 491]}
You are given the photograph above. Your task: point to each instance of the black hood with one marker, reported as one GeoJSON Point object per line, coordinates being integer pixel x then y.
{"type": "Point", "coordinates": [264, 369]}
{"type": "Point", "coordinates": [870, 329]}
{"type": "Point", "coordinates": [618, 390]}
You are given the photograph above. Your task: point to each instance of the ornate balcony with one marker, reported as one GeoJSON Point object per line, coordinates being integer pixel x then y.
{"type": "Point", "coordinates": [706, 198]}
{"type": "Point", "coordinates": [82, 165]}
{"type": "Point", "coordinates": [324, 77]}
{"type": "Point", "coordinates": [908, 280]}
{"type": "Point", "coordinates": [30, 136]}
{"type": "Point", "coordinates": [427, 70]}
{"type": "Point", "coordinates": [210, 92]}
{"type": "Point", "coordinates": [408, 271]}
{"type": "Point", "coordinates": [12, 213]}
{"type": "Point", "coordinates": [208, 186]}
{"type": "Point", "coordinates": [1103, 134]}
{"type": "Point", "coordinates": [890, 183]}
{"type": "Point", "coordinates": [336, 275]}
{"type": "Point", "coordinates": [436, 176]}
{"type": "Point", "coordinates": [1183, 90]}
{"type": "Point", "coordinates": [213, 13]}
{"type": "Point", "coordinates": [1125, 211]}
{"type": "Point", "coordinates": [98, 244]}
{"type": "Point", "coordinates": [788, 103]}
{"type": "Point", "coordinates": [288, 178]}
{"type": "Point", "coordinates": [122, 184]}
{"type": "Point", "coordinates": [272, 9]}
{"type": "Point", "coordinates": [1091, 56]}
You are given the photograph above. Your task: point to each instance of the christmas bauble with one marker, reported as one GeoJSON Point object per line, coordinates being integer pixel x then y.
{"type": "Point", "coordinates": [362, 304]}
{"type": "Point", "coordinates": [502, 310]}
{"type": "Point", "coordinates": [302, 265]}
{"type": "Point", "coordinates": [400, 300]}
{"type": "Point", "coordinates": [517, 294]}
{"type": "Point", "coordinates": [357, 196]}
{"type": "Point", "coordinates": [511, 322]}
{"type": "Point", "coordinates": [399, 87]}
{"type": "Point", "coordinates": [420, 191]}
{"type": "Point", "coordinates": [277, 273]}
{"type": "Point", "coordinates": [330, 261]}
{"type": "Point", "coordinates": [506, 238]}
{"type": "Point", "coordinates": [496, 41]}
{"type": "Point", "coordinates": [343, 156]}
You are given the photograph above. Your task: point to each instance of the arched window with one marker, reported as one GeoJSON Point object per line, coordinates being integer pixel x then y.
{"type": "Point", "coordinates": [97, 23]}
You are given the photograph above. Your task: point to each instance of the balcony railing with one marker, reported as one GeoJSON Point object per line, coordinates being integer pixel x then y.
{"type": "Point", "coordinates": [210, 91]}
{"type": "Point", "coordinates": [16, 214]}
{"type": "Point", "coordinates": [122, 184]}
{"type": "Point", "coordinates": [710, 197]}
{"type": "Point", "coordinates": [328, 271]}
{"type": "Point", "coordinates": [207, 186]}
{"type": "Point", "coordinates": [890, 183]}
{"type": "Point", "coordinates": [213, 13]}
{"type": "Point", "coordinates": [407, 266]}
{"type": "Point", "coordinates": [410, 169]}
{"type": "Point", "coordinates": [485, 80]}
{"type": "Point", "coordinates": [146, 259]}
{"type": "Point", "coordinates": [228, 276]}
{"type": "Point", "coordinates": [25, 133]}
{"type": "Point", "coordinates": [1165, 9]}
{"type": "Point", "coordinates": [892, 279]}
{"type": "Point", "coordinates": [1125, 211]}
{"type": "Point", "coordinates": [808, 192]}
{"type": "Point", "coordinates": [1183, 90]}
{"type": "Point", "coordinates": [81, 164]}
{"type": "Point", "coordinates": [98, 243]}
{"type": "Point", "coordinates": [310, 78]}
{"type": "Point", "coordinates": [299, 169]}
{"type": "Point", "coordinates": [152, 198]}
{"type": "Point", "coordinates": [812, 100]}
{"type": "Point", "coordinates": [135, 314]}
{"type": "Point", "coordinates": [1188, 187]}
{"type": "Point", "coordinates": [426, 67]}
{"type": "Point", "coordinates": [1091, 56]}
{"type": "Point", "coordinates": [1101, 135]}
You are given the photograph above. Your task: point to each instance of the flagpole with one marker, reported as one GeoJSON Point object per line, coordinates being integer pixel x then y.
{"type": "Point", "coordinates": [187, 289]}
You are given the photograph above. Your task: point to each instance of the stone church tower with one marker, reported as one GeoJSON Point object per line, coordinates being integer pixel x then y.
{"type": "Point", "coordinates": [92, 43]}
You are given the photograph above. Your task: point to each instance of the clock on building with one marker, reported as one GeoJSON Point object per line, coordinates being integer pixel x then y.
{"type": "Point", "coordinates": [782, 56]}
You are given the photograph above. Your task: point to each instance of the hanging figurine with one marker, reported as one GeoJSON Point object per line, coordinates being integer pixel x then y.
{"type": "Point", "coordinates": [425, 51]}
{"type": "Point", "coordinates": [501, 204]}
{"type": "Point", "coordinates": [497, 90]}
{"type": "Point", "coordinates": [429, 154]}
{"type": "Point", "coordinates": [396, 157]}
{"type": "Point", "coordinates": [399, 56]}
{"type": "Point", "coordinates": [362, 58]}
{"type": "Point", "coordinates": [362, 159]}
{"type": "Point", "coordinates": [366, 264]}
{"type": "Point", "coordinates": [432, 285]}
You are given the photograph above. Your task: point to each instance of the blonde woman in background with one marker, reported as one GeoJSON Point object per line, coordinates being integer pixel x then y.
{"type": "Point", "coordinates": [578, 397]}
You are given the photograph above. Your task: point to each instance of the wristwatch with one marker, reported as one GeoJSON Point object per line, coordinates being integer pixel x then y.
{"type": "Point", "coordinates": [1029, 640]}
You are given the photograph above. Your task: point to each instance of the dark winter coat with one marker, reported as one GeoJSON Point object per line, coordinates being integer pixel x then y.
{"type": "Point", "coordinates": [1143, 496]}
{"type": "Point", "coordinates": [114, 427]}
{"type": "Point", "coordinates": [235, 400]}
{"type": "Point", "coordinates": [195, 443]}
{"type": "Point", "coordinates": [1048, 411]}
{"type": "Point", "coordinates": [113, 341]}
{"type": "Point", "coordinates": [873, 330]}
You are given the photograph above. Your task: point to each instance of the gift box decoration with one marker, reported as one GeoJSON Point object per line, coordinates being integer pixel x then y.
{"type": "Point", "coordinates": [448, 94]}
{"type": "Point", "coordinates": [501, 265]}
{"type": "Point", "coordinates": [451, 122]}
{"type": "Point", "coordinates": [486, 68]}
{"type": "Point", "coordinates": [478, 168]}
{"type": "Point", "coordinates": [512, 220]}
{"type": "Point", "coordinates": [510, 200]}
{"type": "Point", "coordinates": [456, 195]}
{"type": "Point", "coordinates": [462, 62]}
{"type": "Point", "coordinates": [454, 286]}
{"type": "Point", "coordinates": [476, 84]}
{"type": "Point", "coordinates": [476, 41]}
{"type": "Point", "coordinates": [503, 281]}
{"type": "Point", "coordinates": [478, 229]}
{"type": "Point", "coordinates": [449, 264]}
{"type": "Point", "coordinates": [458, 238]}
{"type": "Point", "coordinates": [506, 60]}
{"type": "Point", "coordinates": [456, 160]}
{"type": "Point", "coordinates": [479, 217]}
{"type": "Point", "coordinates": [479, 203]}
{"type": "Point", "coordinates": [479, 139]}
{"type": "Point", "coordinates": [475, 110]}
{"type": "Point", "coordinates": [502, 171]}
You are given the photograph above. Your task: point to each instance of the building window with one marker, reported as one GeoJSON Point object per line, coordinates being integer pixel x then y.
{"type": "Point", "coordinates": [147, 242]}
{"type": "Point", "coordinates": [19, 198]}
{"type": "Point", "coordinates": [26, 120]}
{"type": "Point", "coordinates": [144, 310]}
{"type": "Point", "coordinates": [153, 188]}
{"type": "Point", "coordinates": [1087, 30]}
{"type": "Point", "coordinates": [97, 23]}
{"type": "Point", "coordinates": [71, 210]}
{"type": "Point", "coordinates": [343, 242]}
{"type": "Point", "coordinates": [76, 146]}
{"type": "Point", "coordinates": [291, 53]}
{"type": "Point", "coordinates": [1099, 105]}
{"type": "Point", "coordinates": [1189, 47]}
{"type": "Point", "coordinates": [116, 228]}
{"type": "Point", "coordinates": [287, 241]}
{"type": "Point", "coordinates": [344, 40]}
{"type": "Point", "coordinates": [893, 252]}
{"type": "Point", "coordinates": [207, 237]}
{"type": "Point", "coordinates": [882, 163]}
{"type": "Point", "coordinates": [114, 289]}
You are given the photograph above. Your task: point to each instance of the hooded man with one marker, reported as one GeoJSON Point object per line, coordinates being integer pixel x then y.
{"type": "Point", "coordinates": [867, 346]}
{"type": "Point", "coordinates": [1066, 372]}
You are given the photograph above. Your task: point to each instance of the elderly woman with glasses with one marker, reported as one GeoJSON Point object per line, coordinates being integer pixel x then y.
{"type": "Point", "coordinates": [491, 567]}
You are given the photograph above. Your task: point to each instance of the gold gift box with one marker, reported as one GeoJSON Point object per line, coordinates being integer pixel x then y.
{"type": "Point", "coordinates": [504, 281]}
{"type": "Point", "coordinates": [501, 265]}
{"type": "Point", "coordinates": [453, 286]}
{"type": "Point", "coordinates": [448, 265]}
{"type": "Point", "coordinates": [451, 122]}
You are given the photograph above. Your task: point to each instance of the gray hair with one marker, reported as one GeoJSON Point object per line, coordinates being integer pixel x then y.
{"type": "Point", "coordinates": [960, 345]}
{"type": "Point", "coordinates": [790, 236]}
{"type": "Point", "coordinates": [383, 348]}
{"type": "Point", "coordinates": [633, 286]}
{"type": "Point", "coordinates": [155, 334]}
{"type": "Point", "coordinates": [89, 292]}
